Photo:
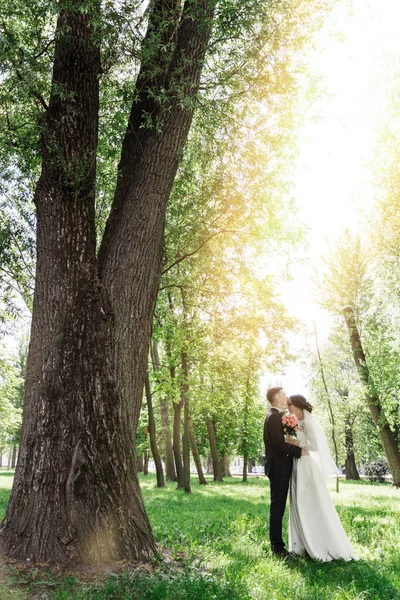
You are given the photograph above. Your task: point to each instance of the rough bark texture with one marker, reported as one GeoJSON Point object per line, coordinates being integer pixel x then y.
{"type": "Point", "coordinates": [153, 435]}
{"type": "Point", "coordinates": [196, 455]}
{"type": "Point", "coordinates": [214, 451]}
{"type": "Point", "coordinates": [386, 435]}
{"type": "Point", "coordinates": [169, 455]}
{"type": "Point", "coordinates": [76, 495]}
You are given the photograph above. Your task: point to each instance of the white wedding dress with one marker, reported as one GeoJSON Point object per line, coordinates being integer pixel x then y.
{"type": "Point", "coordinates": [314, 525]}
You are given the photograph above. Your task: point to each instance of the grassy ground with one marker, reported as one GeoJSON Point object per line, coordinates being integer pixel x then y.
{"type": "Point", "coordinates": [219, 540]}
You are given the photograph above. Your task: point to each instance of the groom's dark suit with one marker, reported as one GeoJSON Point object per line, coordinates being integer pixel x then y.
{"type": "Point", "coordinates": [278, 466]}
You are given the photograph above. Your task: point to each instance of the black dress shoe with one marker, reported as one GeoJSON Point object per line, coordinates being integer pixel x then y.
{"type": "Point", "coordinates": [281, 553]}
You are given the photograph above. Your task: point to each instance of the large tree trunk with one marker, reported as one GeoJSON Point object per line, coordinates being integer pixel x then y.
{"type": "Point", "coordinates": [385, 433]}
{"type": "Point", "coordinates": [196, 455]}
{"type": "Point", "coordinates": [169, 455]}
{"type": "Point", "coordinates": [76, 495]}
{"type": "Point", "coordinates": [153, 435]}
{"type": "Point", "coordinates": [214, 451]}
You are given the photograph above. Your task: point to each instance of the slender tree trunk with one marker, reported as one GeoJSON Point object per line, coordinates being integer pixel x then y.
{"type": "Point", "coordinates": [214, 452]}
{"type": "Point", "coordinates": [176, 443]}
{"type": "Point", "coordinates": [169, 455]}
{"type": "Point", "coordinates": [332, 416]}
{"type": "Point", "coordinates": [153, 435]}
{"type": "Point", "coordinates": [226, 472]}
{"type": "Point", "coordinates": [185, 438]}
{"type": "Point", "coordinates": [245, 433]}
{"type": "Point", "coordinates": [14, 457]}
{"type": "Point", "coordinates": [140, 463]}
{"type": "Point", "coordinates": [176, 437]}
{"type": "Point", "coordinates": [146, 456]}
{"type": "Point", "coordinates": [76, 497]}
{"type": "Point", "coordinates": [385, 433]}
{"type": "Point", "coordinates": [350, 465]}
{"type": "Point", "coordinates": [196, 455]}
{"type": "Point", "coordinates": [245, 463]}
{"type": "Point", "coordinates": [209, 464]}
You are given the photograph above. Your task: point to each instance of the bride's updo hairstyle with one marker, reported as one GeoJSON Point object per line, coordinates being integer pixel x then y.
{"type": "Point", "coordinates": [299, 401]}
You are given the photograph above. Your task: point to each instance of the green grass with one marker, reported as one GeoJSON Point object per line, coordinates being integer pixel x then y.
{"type": "Point", "coordinates": [218, 536]}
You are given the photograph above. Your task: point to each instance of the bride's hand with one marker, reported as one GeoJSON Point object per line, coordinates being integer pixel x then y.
{"type": "Point", "coordinates": [290, 440]}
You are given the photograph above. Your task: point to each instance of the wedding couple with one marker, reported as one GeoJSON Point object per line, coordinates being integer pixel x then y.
{"type": "Point", "coordinates": [301, 464]}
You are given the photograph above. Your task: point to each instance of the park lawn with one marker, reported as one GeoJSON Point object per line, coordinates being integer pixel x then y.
{"type": "Point", "coordinates": [218, 538]}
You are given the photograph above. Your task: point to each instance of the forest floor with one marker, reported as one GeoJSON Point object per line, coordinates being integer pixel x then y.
{"type": "Point", "coordinates": [214, 546]}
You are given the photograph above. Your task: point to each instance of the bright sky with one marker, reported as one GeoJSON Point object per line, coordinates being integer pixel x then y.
{"type": "Point", "coordinates": [332, 182]}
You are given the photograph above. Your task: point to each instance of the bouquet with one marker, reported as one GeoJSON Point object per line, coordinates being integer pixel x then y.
{"type": "Point", "coordinates": [290, 425]}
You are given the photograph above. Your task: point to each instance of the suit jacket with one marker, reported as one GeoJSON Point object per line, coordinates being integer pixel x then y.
{"type": "Point", "coordinates": [278, 453]}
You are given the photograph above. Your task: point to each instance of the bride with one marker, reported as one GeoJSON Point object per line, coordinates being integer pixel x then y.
{"type": "Point", "coordinates": [314, 525]}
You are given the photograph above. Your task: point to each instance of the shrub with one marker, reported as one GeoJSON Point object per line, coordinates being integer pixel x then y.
{"type": "Point", "coordinates": [376, 470]}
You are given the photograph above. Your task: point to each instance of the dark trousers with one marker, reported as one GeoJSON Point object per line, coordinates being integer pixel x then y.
{"type": "Point", "coordinates": [279, 485]}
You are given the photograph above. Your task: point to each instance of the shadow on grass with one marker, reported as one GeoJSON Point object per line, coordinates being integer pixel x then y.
{"type": "Point", "coordinates": [362, 577]}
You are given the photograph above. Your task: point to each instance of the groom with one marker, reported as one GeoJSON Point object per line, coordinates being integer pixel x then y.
{"type": "Point", "coordinates": [278, 466]}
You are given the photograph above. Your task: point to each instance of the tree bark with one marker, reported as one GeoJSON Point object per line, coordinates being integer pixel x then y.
{"type": "Point", "coordinates": [14, 457]}
{"type": "Point", "coordinates": [176, 444]}
{"type": "Point", "coordinates": [153, 435]}
{"type": "Point", "coordinates": [385, 433]}
{"type": "Point", "coordinates": [140, 463]}
{"type": "Point", "coordinates": [350, 464]}
{"type": "Point", "coordinates": [209, 464]}
{"type": "Point", "coordinates": [185, 438]}
{"type": "Point", "coordinates": [226, 472]}
{"type": "Point", "coordinates": [331, 415]}
{"type": "Point", "coordinates": [214, 451]}
{"type": "Point", "coordinates": [169, 455]}
{"type": "Point", "coordinates": [76, 496]}
{"type": "Point", "coordinates": [176, 434]}
{"type": "Point", "coordinates": [245, 444]}
{"type": "Point", "coordinates": [146, 457]}
{"type": "Point", "coordinates": [196, 455]}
